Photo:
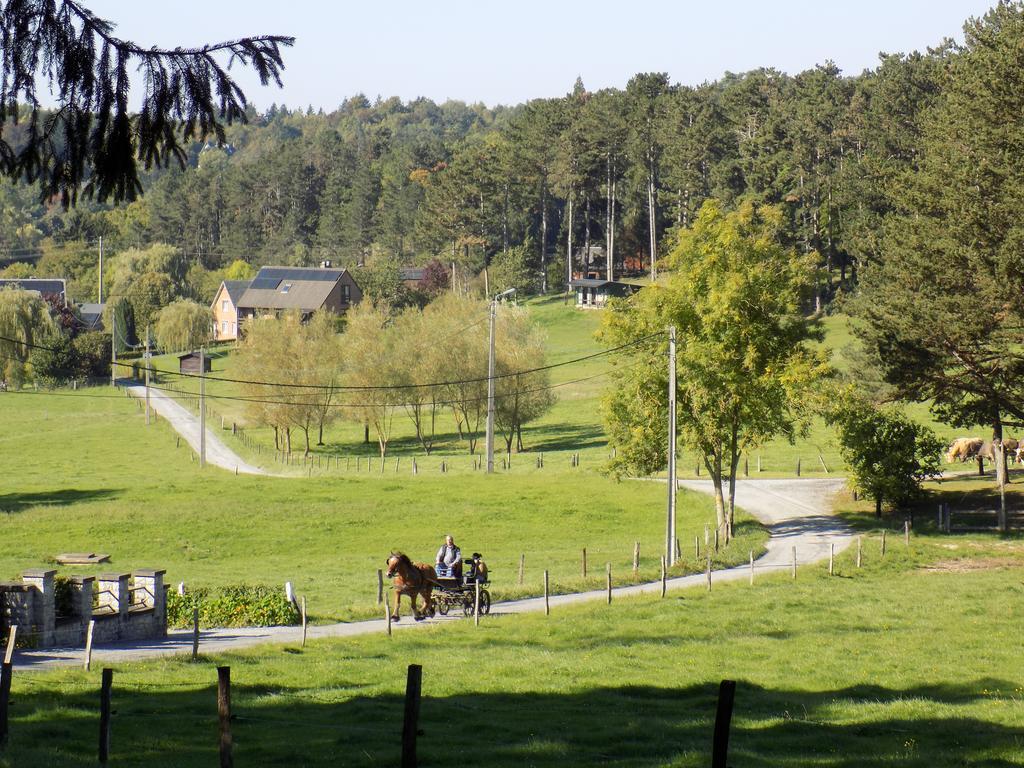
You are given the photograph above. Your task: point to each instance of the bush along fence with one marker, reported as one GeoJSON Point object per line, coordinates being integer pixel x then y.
{"type": "Point", "coordinates": [223, 709]}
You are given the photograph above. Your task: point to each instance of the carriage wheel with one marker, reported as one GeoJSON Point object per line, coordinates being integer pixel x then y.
{"type": "Point", "coordinates": [485, 601]}
{"type": "Point", "coordinates": [467, 604]}
{"type": "Point", "coordinates": [442, 607]}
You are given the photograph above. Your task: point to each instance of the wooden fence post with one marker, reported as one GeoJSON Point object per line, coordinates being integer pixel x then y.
{"type": "Point", "coordinates": [303, 621]}
{"type": "Point", "coordinates": [87, 663]}
{"type": "Point", "coordinates": [12, 635]}
{"type": "Point", "coordinates": [584, 562]}
{"type": "Point", "coordinates": [547, 604]}
{"type": "Point", "coordinates": [906, 532]}
{"type": "Point", "coordinates": [709, 572]}
{"type": "Point", "coordinates": [883, 542]}
{"type": "Point", "coordinates": [716, 539]}
{"type": "Point", "coordinates": [608, 571]}
{"type": "Point", "coordinates": [696, 547]}
{"type": "Point", "coordinates": [380, 586]}
{"type": "Point", "coordinates": [387, 618]}
{"type": "Point", "coordinates": [664, 584]}
{"type": "Point", "coordinates": [831, 558]}
{"type": "Point", "coordinates": [224, 715]}
{"type": "Point", "coordinates": [522, 565]}
{"type": "Point", "coordinates": [798, 467]}
{"type": "Point", "coordinates": [636, 559]}
{"type": "Point", "coordinates": [105, 685]}
{"type": "Point", "coordinates": [751, 567]}
{"type": "Point", "coordinates": [6, 672]}
{"type": "Point", "coordinates": [195, 634]}
{"type": "Point", "coordinates": [476, 603]}
{"type": "Point", "coordinates": [723, 719]}
{"type": "Point", "coordinates": [410, 720]}
{"type": "Point", "coordinates": [794, 562]}
{"type": "Point", "coordinates": [859, 543]}
{"type": "Point", "coordinates": [759, 462]}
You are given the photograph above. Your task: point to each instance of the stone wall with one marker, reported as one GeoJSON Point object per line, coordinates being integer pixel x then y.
{"type": "Point", "coordinates": [127, 607]}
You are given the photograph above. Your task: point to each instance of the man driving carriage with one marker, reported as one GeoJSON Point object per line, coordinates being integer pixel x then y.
{"type": "Point", "coordinates": [449, 557]}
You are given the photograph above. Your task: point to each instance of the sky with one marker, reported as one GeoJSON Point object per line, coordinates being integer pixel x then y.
{"type": "Point", "coordinates": [507, 53]}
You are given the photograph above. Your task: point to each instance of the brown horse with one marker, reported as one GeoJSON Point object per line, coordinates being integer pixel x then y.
{"type": "Point", "coordinates": [412, 579]}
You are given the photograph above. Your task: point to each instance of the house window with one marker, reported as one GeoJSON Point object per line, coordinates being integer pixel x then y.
{"type": "Point", "coordinates": [346, 294]}
{"type": "Point", "coordinates": [224, 305]}
{"type": "Point", "coordinates": [223, 326]}
{"type": "Point", "coordinates": [286, 287]}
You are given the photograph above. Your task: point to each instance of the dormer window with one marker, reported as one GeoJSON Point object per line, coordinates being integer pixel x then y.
{"type": "Point", "coordinates": [286, 287]}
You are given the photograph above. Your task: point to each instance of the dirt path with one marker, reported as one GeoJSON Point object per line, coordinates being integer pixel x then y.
{"type": "Point", "coordinates": [795, 511]}
{"type": "Point", "coordinates": [187, 425]}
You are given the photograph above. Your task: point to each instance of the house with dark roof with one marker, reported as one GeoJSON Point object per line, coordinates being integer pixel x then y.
{"type": "Point", "coordinates": [306, 289]}
{"type": "Point", "coordinates": [225, 309]}
{"type": "Point", "coordinates": [594, 293]}
{"type": "Point", "coordinates": [42, 286]}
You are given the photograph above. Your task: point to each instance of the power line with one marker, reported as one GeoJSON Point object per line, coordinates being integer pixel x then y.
{"type": "Point", "coordinates": [261, 401]}
{"type": "Point", "coordinates": [292, 385]}
{"type": "Point", "coordinates": [382, 387]}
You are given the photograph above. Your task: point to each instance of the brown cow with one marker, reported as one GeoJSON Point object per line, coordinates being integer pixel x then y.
{"type": "Point", "coordinates": [964, 449]}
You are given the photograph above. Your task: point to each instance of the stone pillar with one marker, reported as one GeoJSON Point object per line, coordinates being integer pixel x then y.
{"type": "Point", "coordinates": [113, 596]}
{"type": "Point", "coordinates": [44, 613]}
{"type": "Point", "coordinates": [151, 592]}
{"type": "Point", "coordinates": [82, 588]}
{"type": "Point", "coordinates": [17, 603]}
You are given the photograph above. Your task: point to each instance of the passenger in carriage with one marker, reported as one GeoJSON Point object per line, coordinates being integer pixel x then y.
{"type": "Point", "coordinates": [450, 556]}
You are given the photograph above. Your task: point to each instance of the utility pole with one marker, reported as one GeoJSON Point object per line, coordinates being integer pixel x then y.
{"type": "Point", "coordinates": [670, 544]}
{"type": "Point", "coordinates": [490, 392]}
{"type": "Point", "coordinates": [147, 375]}
{"type": "Point", "coordinates": [113, 349]}
{"type": "Point", "coordinates": [202, 407]}
{"type": "Point", "coordinates": [490, 381]}
{"type": "Point", "coordinates": [100, 291]}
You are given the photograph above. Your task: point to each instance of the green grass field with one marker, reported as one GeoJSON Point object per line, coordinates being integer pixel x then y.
{"type": "Point", "coordinates": [83, 473]}
{"type": "Point", "coordinates": [912, 661]}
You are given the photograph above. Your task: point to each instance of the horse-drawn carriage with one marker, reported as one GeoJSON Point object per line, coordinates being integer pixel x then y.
{"type": "Point", "coordinates": [441, 589]}
{"type": "Point", "coordinates": [457, 587]}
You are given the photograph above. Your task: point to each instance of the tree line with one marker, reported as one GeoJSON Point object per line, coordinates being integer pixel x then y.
{"type": "Point", "coordinates": [427, 365]}
{"type": "Point", "coordinates": [623, 169]}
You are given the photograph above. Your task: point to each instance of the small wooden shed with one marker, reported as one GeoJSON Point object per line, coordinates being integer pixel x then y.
{"type": "Point", "coordinates": [189, 363]}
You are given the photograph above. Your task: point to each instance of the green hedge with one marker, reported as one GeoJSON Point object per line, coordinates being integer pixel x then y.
{"type": "Point", "coordinates": [242, 605]}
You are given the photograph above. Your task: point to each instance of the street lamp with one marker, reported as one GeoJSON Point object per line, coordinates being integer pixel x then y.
{"type": "Point", "coordinates": [490, 381]}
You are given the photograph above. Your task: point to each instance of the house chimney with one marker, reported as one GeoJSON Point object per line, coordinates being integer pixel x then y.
{"type": "Point", "coordinates": [325, 264]}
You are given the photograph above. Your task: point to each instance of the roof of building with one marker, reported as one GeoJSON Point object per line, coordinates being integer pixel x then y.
{"type": "Point", "coordinates": [591, 282]}
{"type": "Point", "coordinates": [290, 288]}
{"type": "Point", "coordinates": [40, 284]}
{"type": "Point", "coordinates": [92, 315]}
{"type": "Point", "coordinates": [235, 289]}
{"type": "Point", "coordinates": [411, 273]}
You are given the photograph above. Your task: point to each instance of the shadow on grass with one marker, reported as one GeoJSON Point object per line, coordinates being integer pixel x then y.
{"type": "Point", "coordinates": [623, 726]}
{"type": "Point", "coordinates": [19, 502]}
{"type": "Point", "coordinates": [565, 437]}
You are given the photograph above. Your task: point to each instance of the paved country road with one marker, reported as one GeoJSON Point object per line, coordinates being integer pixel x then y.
{"type": "Point", "coordinates": [187, 425]}
{"type": "Point", "coordinates": [795, 511]}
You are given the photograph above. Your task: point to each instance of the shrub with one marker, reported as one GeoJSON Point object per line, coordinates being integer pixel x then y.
{"type": "Point", "coordinates": [242, 605]}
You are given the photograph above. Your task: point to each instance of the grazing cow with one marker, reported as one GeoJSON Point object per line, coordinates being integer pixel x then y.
{"type": "Point", "coordinates": [988, 449]}
{"type": "Point", "coordinates": [964, 449]}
